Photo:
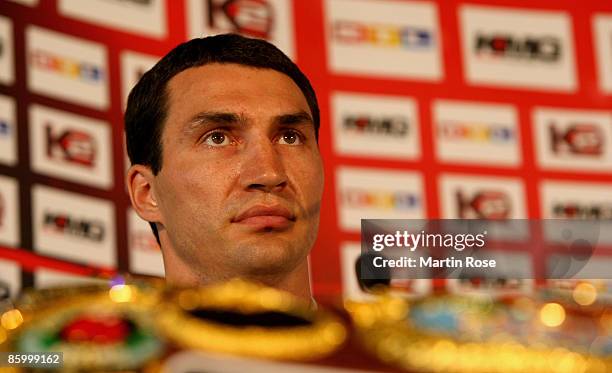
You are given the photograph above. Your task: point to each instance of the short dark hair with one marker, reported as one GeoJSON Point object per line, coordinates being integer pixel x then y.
{"type": "Point", "coordinates": [147, 105]}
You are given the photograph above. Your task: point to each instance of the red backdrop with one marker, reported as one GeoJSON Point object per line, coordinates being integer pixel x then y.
{"type": "Point", "coordinates": [540, 63]}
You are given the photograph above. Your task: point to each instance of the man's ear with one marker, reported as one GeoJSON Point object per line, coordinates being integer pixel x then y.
{"type": "Point", "coordinates": [139, 181]}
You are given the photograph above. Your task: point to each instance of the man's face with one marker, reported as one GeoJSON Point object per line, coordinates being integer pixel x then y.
{"type": "Point", "coordinates": [241, 182]}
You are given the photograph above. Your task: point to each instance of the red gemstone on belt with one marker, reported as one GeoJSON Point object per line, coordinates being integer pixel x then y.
{"type": "Point", "coordinates": [96, 329]}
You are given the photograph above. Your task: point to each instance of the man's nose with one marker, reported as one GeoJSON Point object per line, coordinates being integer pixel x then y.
{"type": "Point", "coordinates": [262, 167]}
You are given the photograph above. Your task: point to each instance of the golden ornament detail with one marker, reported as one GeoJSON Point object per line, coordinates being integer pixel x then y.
{"type": "Point", "coordinates": [248, 319]}
{"type": "Point", "coordinates": [385, 329]}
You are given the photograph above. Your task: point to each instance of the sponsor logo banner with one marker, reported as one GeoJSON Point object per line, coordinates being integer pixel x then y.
{"type": "Point", "coordinates": [7, 67]}
{"type": "Point", "coordinates": [480, 197]}
{"type": "Point", "coordinates": [145, 253]}
{"type": "Point", "coordinates": [483, 204]}
{"type": "Point", "coordinates": [10, 277]}
{"type": "Point", "coordinates": [375, 194]}
{"type": "Point", "coordinates": [602, 34]}
{"type": "Point", "coordinates": [577, 210]}
{"type": "Point", "coordinates": [376, 126]}
{"type": "Point", "coordinates": [573, 139]}
{"type": "Point", "coordinates": [8, 131]}
{"type": "Point", "coordinates": [67, 68]}
{"type": "Point", "coordinates": [71, 147]}
{"type": "Point", "coordinates": [88, 229]}
{"type": "Point", "coordinates": [476, 133]}
{"type": "Point", "coordinates": [581, 201]}
{"type": "Point", "coordinates": [73, 227]}
{"type": "Point", "coordinates": [133, 66]}
{"type": "Point", "coordinates": [9, 212]}
{"type": "Point", "coordinates": [271, 20]}
{"type": "Point", "coordinates": [518, 48]}
{"type": "Point", "coordinates": [485, 198]}
{"type": "Point", "coordinates": [384, 38]}
{"type": "Point", "coordinates": [542, 49]}
{"type": "Point", "coordinates": [147, 17]}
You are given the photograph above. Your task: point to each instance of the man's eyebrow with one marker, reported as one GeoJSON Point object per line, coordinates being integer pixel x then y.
{"type": "Point", "coordinates": [211, 118]}
{"type": "Point", "coordinates": [294, 118]}
{"type": "Point", "coordinates": [228, 118]}
{"type": "Point", "coordinates": [214, 117]}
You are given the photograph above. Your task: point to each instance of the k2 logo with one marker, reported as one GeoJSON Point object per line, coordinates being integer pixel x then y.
{"type": "Point", "coordinates": [250, 17]}
{"type": "Point", "coordinates": [486, 204]}
{"type": "Point", "coordinates": [72, 146]}
{"type": "Point", "coordinates": [583, 139]}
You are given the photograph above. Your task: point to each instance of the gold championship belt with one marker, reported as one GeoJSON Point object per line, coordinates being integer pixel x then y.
{"type": "Point", "coordinates": [444, 333]}
{"type": "Point", "coordinates": [242, 318]}
{"type": "Point", "coordinates": [146, 327]}
{"type": "Point", "coordinates": [95, 327]}
{"type": "Point", "coordinates": [136, 326]}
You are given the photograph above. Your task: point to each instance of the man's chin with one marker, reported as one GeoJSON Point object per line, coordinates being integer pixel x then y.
{"type": "Point", "coordinates": [274, 257]}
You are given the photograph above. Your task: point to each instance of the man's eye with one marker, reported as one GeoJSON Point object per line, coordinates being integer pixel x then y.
{"type": "Point", "coordinates": [217, 138]}
{"type": "Point", "coordinates": [290, 138]}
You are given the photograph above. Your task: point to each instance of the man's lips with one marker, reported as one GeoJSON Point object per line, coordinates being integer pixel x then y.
{"type": "Point", "coordinates": [261, 216]}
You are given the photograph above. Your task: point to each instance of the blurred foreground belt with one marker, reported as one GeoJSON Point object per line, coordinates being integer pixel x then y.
{"type": "Point", "coordinates": [136, 326]}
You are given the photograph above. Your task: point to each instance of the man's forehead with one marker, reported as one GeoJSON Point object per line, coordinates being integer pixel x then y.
{"type": "Point", "coordinates": [230, 88]}
{"type": "Point", "coordinates": [213, 76]}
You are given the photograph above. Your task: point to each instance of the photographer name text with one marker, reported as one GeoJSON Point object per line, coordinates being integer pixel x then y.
{"type": "Point", "coordinates": [429, 262]}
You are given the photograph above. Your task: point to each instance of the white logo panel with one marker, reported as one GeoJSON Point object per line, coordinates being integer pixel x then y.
{"type": "Point", "coordinates": [145, 254]}
{"type": "Point", "coordinates": [10, 274]}
{"type": "Point", "coordinates": [580, 201]}
{"type": "Point", "coordinates": [133, 66]}
{"type": "Point", "coordinates": [476, 133]}
{"type": "Point", "coordinates": [375, 194]}
{"type": "Point", "coordinates": [384, 38]}
{"type": "Point", "coordinates": [71, 147]}
{"type": "Point", "coordinates": [602, 33]}
{"type": "Point", "coordinates": [67, 68]}
{"type": "Point", "coordinates": [48, 278]}
{"type": "Point", "coordinates": [8, 131]}
{"type": "Point", "coordinates": [7, 56]}
{"type": "Point", "coordinates": [575, 200]}
{"type": "Point", "coordinates": [73, 227]}
{"type": "Point", "coordinates": [147, 17]}
{"type": "Point", "coordinates": [518, 48]}
{"type": "Point", "coordinates": [481, 197]}
{"type": "Point", "coordinates": [376, 126]}
{"type": "Point", "coordinates": [9, 212]}
{"type": "Point", "coordinates": [271, 20]}
{"type": "Point", "coordinates": [573, 139]}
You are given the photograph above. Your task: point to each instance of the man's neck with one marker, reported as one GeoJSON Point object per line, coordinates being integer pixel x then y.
{"type": "Point", "coordinates": [296, 282]}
